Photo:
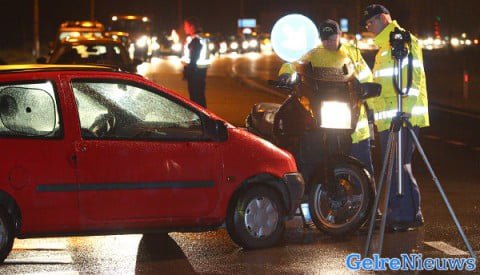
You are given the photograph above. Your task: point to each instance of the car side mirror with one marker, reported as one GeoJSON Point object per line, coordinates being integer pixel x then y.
{"type": "Point", "coordinates": [42, 60]}
{"type": "Point", "coordinates": [217, 130]}
{"type": "Point", "coordinates": [369, 90]}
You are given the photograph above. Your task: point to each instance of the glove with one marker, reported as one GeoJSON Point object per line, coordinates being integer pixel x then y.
{"type": "Point", "coordinates": [285, 79]}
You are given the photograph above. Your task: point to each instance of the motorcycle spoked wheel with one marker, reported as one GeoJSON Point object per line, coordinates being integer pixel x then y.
{"type": "Point", "coordinates": [347, 209]}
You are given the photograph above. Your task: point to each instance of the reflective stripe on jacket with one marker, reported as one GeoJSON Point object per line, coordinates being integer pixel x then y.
{"type": "Point", "coordinates": [416, 102]}
{"type": "Point", "coordinates": [362, 73]}
{"type": "Point", "coordinates": [203, 53]}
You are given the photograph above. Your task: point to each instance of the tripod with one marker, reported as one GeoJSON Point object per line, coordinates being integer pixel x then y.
{"type": "Point", "coordinates": [394, 151]}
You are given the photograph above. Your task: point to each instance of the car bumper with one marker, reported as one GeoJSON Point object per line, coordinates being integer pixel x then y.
{"type": "Point", "coordinates": [296, 186]}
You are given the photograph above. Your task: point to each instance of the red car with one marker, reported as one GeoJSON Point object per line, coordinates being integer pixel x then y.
{"type": "Point", "coordinates": [89, 151]}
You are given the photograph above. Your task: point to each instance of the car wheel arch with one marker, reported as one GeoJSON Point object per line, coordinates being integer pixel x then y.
{"type": "Point", "coordinates": [8, 203]}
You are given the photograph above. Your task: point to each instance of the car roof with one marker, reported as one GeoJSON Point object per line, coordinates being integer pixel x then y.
{"type": "Point", "coordinates": [83, 24]}
{"type": "Point", "coordinates": [82, 40]}
{"type": "Point", "coordinates": [132, 17]}
{"type": "Point", "coordinates": [53, 67]}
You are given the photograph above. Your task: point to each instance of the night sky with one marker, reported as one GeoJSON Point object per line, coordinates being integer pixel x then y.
{"type": "Point", "coordinates": [16, 22]}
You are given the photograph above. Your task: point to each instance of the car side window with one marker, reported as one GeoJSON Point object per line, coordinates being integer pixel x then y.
{"type": "Point", "coordinates": [29, 110]}
{"type": "Point", "coordinates": [122, 111]}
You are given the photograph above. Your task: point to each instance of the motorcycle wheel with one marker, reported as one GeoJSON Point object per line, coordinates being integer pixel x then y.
{"type": "Point", "coordinates": [347, 209]}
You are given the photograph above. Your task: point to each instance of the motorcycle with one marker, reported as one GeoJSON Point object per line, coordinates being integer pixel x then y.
{"type": "Point", "coordinates": [315, 123]}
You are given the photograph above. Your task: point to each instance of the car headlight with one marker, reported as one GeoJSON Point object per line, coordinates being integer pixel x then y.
{"type": "Point", "coordinates": [223, 47]}
{"type": "Point", "coordinates": [245, 45]}
{"type": "Point", "coordinates": [142, 42]}
{"type": "Point", "coordinates": [335, 115]}
{"type": "Point", "coordinates": [211, 46]}
{"type": "Point", "coordinates": [176, 47]}
{"type": "Point", "coordinates": [155, 46]}
{"type": "Point", "coordinates": [253, 43]}
{"type": "Point", "coordinates": [234, 45]}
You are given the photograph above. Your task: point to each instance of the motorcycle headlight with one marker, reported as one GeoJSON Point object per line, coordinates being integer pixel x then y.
{"type": "Point", "coordinates": [335, 115]}
{"type": "Point", "coordinates": [244, 45]}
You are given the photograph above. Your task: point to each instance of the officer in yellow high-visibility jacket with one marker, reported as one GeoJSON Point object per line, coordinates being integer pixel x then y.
{"type": "Point", "coordinates": [333, 52]}
{"type": "Point", "coordinates": [404, 211]}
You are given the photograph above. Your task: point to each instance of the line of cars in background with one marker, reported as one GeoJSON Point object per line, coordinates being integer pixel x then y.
{"type": "Point", "coordinates": [124, 44]}
{"type": "Point", "coordinates": [128, 41]}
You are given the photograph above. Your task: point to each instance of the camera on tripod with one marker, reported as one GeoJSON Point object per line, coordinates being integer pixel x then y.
{"type": "Point", "coordinates": [398, 41]}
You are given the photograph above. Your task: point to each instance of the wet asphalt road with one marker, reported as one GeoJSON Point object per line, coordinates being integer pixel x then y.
{"type": "Point", "coordinates": [234, 84]}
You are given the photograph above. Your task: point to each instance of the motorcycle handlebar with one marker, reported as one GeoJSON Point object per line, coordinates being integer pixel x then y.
{"type": "Point", "coordinates": [280, 84]}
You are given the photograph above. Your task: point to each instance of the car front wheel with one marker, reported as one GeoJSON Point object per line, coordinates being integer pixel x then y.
{"type": "Point", "coordinates": [256, 220]}
{"type": "Point", "coordinates": [6, 234]}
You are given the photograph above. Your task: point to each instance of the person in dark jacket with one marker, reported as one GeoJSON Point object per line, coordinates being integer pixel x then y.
{"type": "Point", "coordinates": [196, 61]}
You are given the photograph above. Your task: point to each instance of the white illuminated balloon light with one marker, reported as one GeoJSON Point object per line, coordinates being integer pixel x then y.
{"type": "Point", "coordinates": [293, 36]}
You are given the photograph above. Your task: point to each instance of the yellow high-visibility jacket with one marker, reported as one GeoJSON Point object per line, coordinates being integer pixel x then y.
{"type": "Point", "coordinates": [416, 102]}
{"type": "Point", "coordinates": [320, 57]}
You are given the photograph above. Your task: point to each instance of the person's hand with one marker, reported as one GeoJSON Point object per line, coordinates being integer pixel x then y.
{"type": "Point", "coordinates": [285, 79]}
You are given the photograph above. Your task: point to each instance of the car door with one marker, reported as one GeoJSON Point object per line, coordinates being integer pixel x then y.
{"type": "Point", "coordinates": [143, 153]}
{"type": "Point", "coordinates": [37, 148]}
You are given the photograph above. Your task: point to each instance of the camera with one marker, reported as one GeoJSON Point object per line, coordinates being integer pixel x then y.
{"type": "Point", "coordinates": [398, 41]}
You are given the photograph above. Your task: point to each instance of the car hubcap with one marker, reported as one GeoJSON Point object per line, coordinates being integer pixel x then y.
{"type": "Point", "coordinates": [261, 217]}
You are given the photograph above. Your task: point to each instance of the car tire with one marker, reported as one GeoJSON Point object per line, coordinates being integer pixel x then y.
{"type": "Point", "coordinates": [256, 218]}
{"type": "Point", "coordinates": [6, 234]}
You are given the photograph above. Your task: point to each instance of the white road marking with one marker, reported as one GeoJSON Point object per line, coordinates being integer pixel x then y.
{"type": "Point", "coordinates": [454, 142]}
{"type": "Point", "coordinates": [431, 137]}
{"type": "Point", "coordinates": [447, 249]}
{"type": "Point", "coordinates": [454, 111]}
{"type": "Point", "coordinates": [40, 244]}
{"type": "Point", "coordinates": [256, 85]}
{"type": "Point", "coordinates": [50, 259]}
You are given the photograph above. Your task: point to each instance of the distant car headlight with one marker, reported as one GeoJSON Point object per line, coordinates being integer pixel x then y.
{"type": "Point", "coordinates": [142, 41]}
{"type": "Point", "coordinates": [176, 47]}
{"type": "Point", "coordinates": [245, 45]}
{"type": "Point", "coordinates": [335, 115]}
{"type": "Point", "coordinates": [155, 46]}
{"type": "Point", "coordinates": [234, 45]}
{"type": "Point", "coordinates": [253, 43]}
{"type": "Point", "coordinates": [223, 47]}
{"type": "Point", "coordinates": [211, 46]}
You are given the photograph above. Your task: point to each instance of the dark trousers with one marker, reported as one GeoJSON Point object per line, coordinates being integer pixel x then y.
{"type": "Point", "coordinates": [362, 152]}
{"type": "Point", "coordinates": [405, 208]}
{"type": "Point", "coordinates": [196, 86]}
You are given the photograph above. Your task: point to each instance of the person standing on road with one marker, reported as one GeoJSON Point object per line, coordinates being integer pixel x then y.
{"type": "Point", "coordinates": [330, 35]}
{"type": "Point", "coordinates": [196, 60]}
{"type": "Point", "coordinates": [404, 211]}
